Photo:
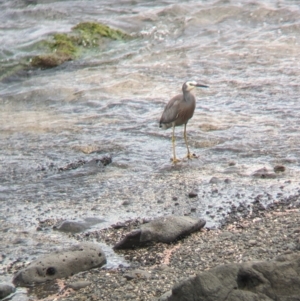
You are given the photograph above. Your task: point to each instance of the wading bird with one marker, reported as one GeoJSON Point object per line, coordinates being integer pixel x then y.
{"type": "Point", "coordinates": [179, 111]}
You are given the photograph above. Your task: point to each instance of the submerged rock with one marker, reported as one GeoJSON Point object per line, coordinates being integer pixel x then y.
{"type": "Point", "coordinates": [279, 168]}
{"type": "Point", "coordinates": [68, 46]}
{"type": "Point", "coordinates": [82, 257]}
{"type": "Point", "coordinates": [264, 173]}
{"type": "Point", "coordinates": [71, 227]}
{"type": "Point", "coordinates": [50, 60]}
{"type": "Point", "coordinates": [96, 162]}
{"type": "Point", "coordinates": [93, 30]}
{"type": "Point", "coordinates": [162, 229]}
{"type": "Point", "coordinates": [249, 281]}
{"type": "Point", "coordinates": [77, 226]}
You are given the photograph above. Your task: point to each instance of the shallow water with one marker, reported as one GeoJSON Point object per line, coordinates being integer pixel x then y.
{"type": "Point", "coordinates": [110, 100]}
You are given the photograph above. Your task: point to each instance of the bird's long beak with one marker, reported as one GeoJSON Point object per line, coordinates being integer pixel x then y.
{"type": "Point", "coordinates": [201, 86]}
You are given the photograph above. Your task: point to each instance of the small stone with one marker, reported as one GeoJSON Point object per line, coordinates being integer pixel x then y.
{"type": "Point", "coordinates": [214, 180]}
{"type": "Point", "coordinates": [174, 198]}
{"type": "Point", "coordinates": [192, 194]}
{"type": "Point", "coordinates": [228, 252]}
{"type": "Point", "coordinates": [119, 225]}
{"type": "Point", "coordinates": [78, 285]}
{"type": "Point", "coordinates": [292, 246]}
{"type": "Point", "coordinates": [126, 203]}
{"type": "Point", "coordinates": [252, 242]}
{"type": "Point", "coordinates": [261, 250]}
{"type": "Point", "coordinates": [279, 168]}
{"type": "Point", "coordinates": [137, 274]}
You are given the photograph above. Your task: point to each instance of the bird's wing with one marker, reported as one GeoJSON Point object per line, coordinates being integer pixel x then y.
{"type": "Point", "coordinates": [171, 110]}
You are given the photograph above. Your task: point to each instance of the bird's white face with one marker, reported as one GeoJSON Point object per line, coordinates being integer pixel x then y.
{"type": "Point", "coordinates": [190, 85]}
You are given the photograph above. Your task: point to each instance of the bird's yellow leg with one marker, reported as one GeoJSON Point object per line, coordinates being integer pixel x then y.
{"type": "Point", "coordinates": [175, 160]}
{"type": "Point", "coordinates": [189, 155]}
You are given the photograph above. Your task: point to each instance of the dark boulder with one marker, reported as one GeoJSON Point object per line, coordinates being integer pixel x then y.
{"type": "Point", "coordinates": [5, 290]}
{"type": "Point", "coordinates": [162, 229]}
{"type": "Point", "coordinates": [251, 281]}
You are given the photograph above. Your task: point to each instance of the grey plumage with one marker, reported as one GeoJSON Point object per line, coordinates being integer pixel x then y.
{"type": "Point", "coordinates": [179, 110]}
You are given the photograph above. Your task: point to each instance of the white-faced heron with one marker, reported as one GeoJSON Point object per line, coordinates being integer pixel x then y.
{"type": "Point", "coordinates": [178, 111]}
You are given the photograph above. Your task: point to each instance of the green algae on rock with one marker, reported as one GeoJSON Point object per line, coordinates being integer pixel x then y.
{"type": "Point", "coordinates": [95, 30]}
{"type": "Point", "coordinates": [63, 43]}
{"type": "Point", "coordinates": [68, 46]}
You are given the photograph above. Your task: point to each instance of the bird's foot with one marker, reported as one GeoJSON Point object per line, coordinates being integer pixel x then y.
{"type": "Point", "coordinates": [191, 156]}
{"type": "Point", "coordinates": [175, 160]}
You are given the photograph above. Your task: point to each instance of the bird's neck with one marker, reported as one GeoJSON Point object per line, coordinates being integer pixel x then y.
{"type": "Point", "coordinates": [188, 96]}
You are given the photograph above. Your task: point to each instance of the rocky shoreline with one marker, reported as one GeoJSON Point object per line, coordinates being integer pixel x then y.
{"type": "Point", "coordinates": [253, 234]}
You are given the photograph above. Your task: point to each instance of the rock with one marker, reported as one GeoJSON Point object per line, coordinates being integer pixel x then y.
{"type": "Point", "coordinates": [78, 226]}
{"type": "Point", "coordinates": [162, 229]}
{"type": "Point", "coordinates": [99, 162]}
{"type": "Point", "coordinates": [5, 290]}
{"type": "Point", "coordinates": [136, 274]}
{"type": "Point", "coordinates": [264, 173]}
{"type": "Point", "coordinates": [279, 168]}
{"type": "Point", "coordinates": [165, 296]}
{"type": "Point", "coordinates": [61, 264]}
{"type": "Point", "coordinates": [192, 194]}
{"type": "Point", "coordinates": [78, 285]}
{"type": "Point", "coordinates": [50, 60]}
{"type": "Point", "coordinates": [119, 225]}
{"type": "Point", "coordinates": [214, 180]}
{"type": "Point", "coordinates": [71, 226]}
{"type": "Point", "coordinates": [249, 281]}
{"type": "Point", "coordinates": [131, 240]}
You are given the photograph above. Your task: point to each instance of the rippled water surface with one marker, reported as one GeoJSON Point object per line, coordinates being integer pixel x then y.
{"type": "Point", "coordinates": [109, 101]}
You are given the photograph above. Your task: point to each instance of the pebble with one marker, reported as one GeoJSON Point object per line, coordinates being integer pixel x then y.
{"type": "Point", "coordinates": [192, 194]}
{"type": "Point", "coordinates": [78, 285]}
{"type": "Point", "coordinates": [279, 168]}
{"type": "Point", "coordinates": [214, 180]}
